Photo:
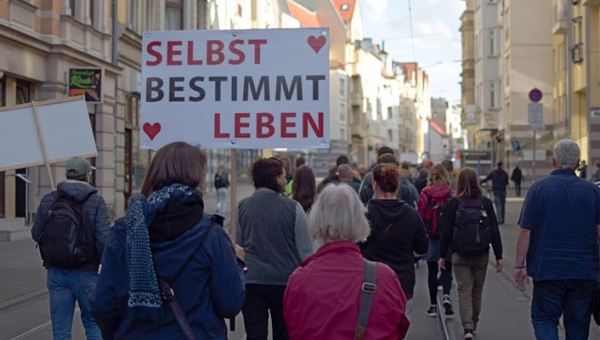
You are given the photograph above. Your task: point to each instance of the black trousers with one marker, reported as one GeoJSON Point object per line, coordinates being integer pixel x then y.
{"type": "Point", "coordinates": [260, 300]}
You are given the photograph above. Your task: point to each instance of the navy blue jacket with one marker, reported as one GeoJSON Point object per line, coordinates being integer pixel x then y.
{"type": "Point", "coordinates": [200, 266]}
{"type": "Point", "coordinates": [94, 208]}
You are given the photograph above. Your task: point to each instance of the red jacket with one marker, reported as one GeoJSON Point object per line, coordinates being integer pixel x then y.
{"type": "Point", "coordinates": [323, 296]}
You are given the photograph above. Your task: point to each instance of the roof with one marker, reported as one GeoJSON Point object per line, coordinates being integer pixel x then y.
{"type": "Point", "coordinates": [437, 128]}
{"type": "Point", "coordinates": [306, 17]}
{"type": "Point", "coordinates": [410, 70]}
{"type": "Point", "coordinates": [345, 8]}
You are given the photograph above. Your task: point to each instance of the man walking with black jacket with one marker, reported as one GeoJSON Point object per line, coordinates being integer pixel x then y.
{"type": "Point", "coordinates": [499, 179]}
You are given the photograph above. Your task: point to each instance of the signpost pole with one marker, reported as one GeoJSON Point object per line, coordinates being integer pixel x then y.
{"type": "Point", "coordinates": [43, 143]}
{"type": "Point", "coordinates": [233, 215]}
{"type": "Point", "coordinates": [533, 159]}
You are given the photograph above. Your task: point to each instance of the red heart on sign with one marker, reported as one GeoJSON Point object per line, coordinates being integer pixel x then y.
{"type": "Point", "coordinates": [152, 129]}
{"type": "Point", "coordinates": [317, 42]}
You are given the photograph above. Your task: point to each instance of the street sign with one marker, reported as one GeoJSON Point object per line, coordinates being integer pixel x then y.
{"type": "Point", "coordinates": [535, 95]}
{"type": "Point", "coordinates": [539, 127]}
{"type": "Point", "coordinates": [535, 113]}
{"type": "Point", "coordinates": [515, 145]}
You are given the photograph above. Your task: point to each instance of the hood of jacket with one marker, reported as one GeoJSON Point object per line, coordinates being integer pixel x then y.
{"type": "Point", "coordinates": [76, 190]}
{"type": "Point", "coordinates": [176, 233]}
{"type": "Point", "coordinates": [438, 191]}
{"type": "Point", "coordinates": [388, 211]}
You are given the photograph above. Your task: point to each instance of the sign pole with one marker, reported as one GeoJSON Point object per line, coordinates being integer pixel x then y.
{"type": "Point", "coordinates": [233, 215]}
{"type": "Point", "coordinates": [533, 160]}
{"type": "Point", "coordinates": [43, 143]}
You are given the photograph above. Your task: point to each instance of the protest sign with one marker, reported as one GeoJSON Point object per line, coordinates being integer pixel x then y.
{"type": "Point", "coordinates": [41, 133]}
{"type": "Point", "coordinates": [236, 89]}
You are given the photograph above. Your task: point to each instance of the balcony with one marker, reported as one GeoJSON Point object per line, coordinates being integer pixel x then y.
{"type": "Point", "coordinates": [560, 17]}
{"type": "Point", "coordinates": [359, 131]}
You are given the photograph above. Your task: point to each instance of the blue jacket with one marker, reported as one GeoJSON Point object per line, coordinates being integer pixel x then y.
{"type": "Point", "coordinates": [200, 266]}
{"type": "Point", "coordinates": [94, 208]}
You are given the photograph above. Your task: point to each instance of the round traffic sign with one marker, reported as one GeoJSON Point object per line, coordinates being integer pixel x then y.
{"type": "Point", "coordinates": [535, 95]}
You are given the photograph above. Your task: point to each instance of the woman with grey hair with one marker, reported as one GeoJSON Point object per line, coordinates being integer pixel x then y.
{"type": "Point", "coordinates": [330, 282]}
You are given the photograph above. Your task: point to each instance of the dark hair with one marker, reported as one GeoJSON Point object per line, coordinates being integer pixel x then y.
{"type": "Point", "coordinates": [332, 171]}
{"type": "Point", "coordinates": [74, 176]}
{"type": "Point", "coordinates": [386, 158]}
{"type": "Point", "coordinates": [387, 177]}
{"type": "Point", "coordinates": [468, 184]}
{"type": "Point", "coordinates": [405, 165]}
{"type": "Point", "coordinates": [287, 163]}
{"type": "Point", "coordinates": [300, 161]}
{"type": "Point", "coordinates": [384, 149]}
{"type": "Point", "coordinates": [265, 172]}
{"type": "Point", "coordinates": [304, 187]}
{"type": "Point", "coordinates": [343, 159]}
{"type": "Point", "coordinates": [177, 162]}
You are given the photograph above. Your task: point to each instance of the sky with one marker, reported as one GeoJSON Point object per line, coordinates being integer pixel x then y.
{"type": "Point", "coordinates": [437, 41]}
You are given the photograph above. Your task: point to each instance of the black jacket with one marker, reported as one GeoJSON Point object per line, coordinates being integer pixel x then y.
{"type": "Point", "coordinates": [499, 179]}
{"type": "Point", "coordinates": [448, 226]}
{"type": "Point", "coordinates": [406, 238]}
{"type": "Point", "coordinates": [517, 176]}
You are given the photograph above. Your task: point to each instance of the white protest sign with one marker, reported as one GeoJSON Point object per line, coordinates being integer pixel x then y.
{"type": "Point", "coordinates": [64, 131]}
{"type": "Point", "coordinates": [246, 89]}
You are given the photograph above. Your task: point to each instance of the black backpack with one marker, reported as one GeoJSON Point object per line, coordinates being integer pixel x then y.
{"type": "Point", "coordinates": [472, 228]}
{"type": "Point", "coordinates": [67, 240]}
{"type": "Point", "coordinates": [434, 209]}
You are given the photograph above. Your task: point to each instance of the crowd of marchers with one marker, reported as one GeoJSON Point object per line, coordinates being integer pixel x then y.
{"type": "Point", "coordinates": [333, 260]}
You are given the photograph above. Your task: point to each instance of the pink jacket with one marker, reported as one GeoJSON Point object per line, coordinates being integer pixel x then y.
{"type": "Point", "coordinates": [323, 297]}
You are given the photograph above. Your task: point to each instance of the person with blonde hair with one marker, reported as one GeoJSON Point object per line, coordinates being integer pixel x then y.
{"type": "Point", "coordinates": [330, 282]}
{"type": "Point", "coordinates": [469, 227]}
{"type": "Point", "coordinates": [430, 207]}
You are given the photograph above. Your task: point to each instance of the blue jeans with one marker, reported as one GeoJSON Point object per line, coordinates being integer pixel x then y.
{"type": "Point", "coordinates": [570, 298]}
{"type": "Point", "coordinates": [66, 287]}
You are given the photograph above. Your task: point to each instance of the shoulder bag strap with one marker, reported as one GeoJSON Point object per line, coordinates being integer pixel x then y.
{"type": "Point", "coordinates": [169, 297]}
{"type": "Point", "coordinates": [376, 241]}
{"type": "Point", "coordinates": [368, 289]}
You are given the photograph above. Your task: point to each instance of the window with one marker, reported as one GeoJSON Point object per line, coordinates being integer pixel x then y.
{"type": "Point", "coordinates": [343, 87]}
{"type": "Point", "coordinates": [493, 96]}
{"type": "Point", "coordinates": [72, 4]}
{"type": "Point", "coordinates": [562, 56]}
{"type": "Point", "coordinates": [342, 111]}
{"type": "Point", "coordinates": [91, 11]}
{"type": "Point", "coordinates": [201, 12]}
{"type": "Point", "coordinates": [149, 15]}
{"type": "Point", "coordinates": [390, 112]}
{"type": "Point", "coordinates": [493, 43]}
{"type": "Point", "coordinates": [477, 46]}
{"type": "Point", "coordinates": [137, 161]}
{"type": "Point", "coordinates": [173, 15]}
{"type": "Point", "coordinates": [134, 9]}
{"type": "Point", "coordinates": [342, 134]}
{"type": "Point", "coordinates": [390, 135]}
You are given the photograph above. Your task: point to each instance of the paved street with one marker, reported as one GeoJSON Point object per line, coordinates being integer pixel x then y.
{"type": "Point", "coordinates": [24, 303]}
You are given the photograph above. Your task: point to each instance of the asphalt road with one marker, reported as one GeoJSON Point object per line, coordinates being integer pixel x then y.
{"type": "Point", "coordinates": [24, 311]}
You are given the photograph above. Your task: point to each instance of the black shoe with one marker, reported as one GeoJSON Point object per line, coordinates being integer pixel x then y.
{"type": "Point", "coordinates": [468, 334]}
{"type": "Point", "coordinates": [448, 310]}
{"type": "Point", "coordinates": [432, 311]}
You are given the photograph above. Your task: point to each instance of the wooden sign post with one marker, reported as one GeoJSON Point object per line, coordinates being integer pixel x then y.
{"type": "Point", "coordinates": [43, 143]}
